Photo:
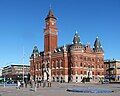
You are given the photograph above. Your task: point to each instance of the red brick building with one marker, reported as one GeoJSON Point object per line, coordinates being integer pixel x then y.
{"type": "Point", "coordinates": [70, 62]}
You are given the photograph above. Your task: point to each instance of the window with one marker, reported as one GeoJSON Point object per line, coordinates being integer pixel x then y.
{"type": "Point", "coordinates": [62, 72]}
{"type": "Point", "coordinates": [73, 65]}
{"type": "Point", "coordinates": [96, 66]}
{"type": "Point", "coordinates": [58, 73]}
{"type": "Point", "coordinates": [81, 72]}
{"type": "Point", "coordinates": [61, 63]}
{"type": "Point", "coordinates": [84, 65]}
{"type": "Point", "coordinates": [53, 79]}
{"type": "Point", "coordinates": [102, 66]}
{"type": "Point", "coordinates": [57, 63]}
{"type": "Point", "coordinates": [81, 77]}
{"type": "Point", "coordinates": [98, 73]}
{"type": "Point", "coordinates": [81, 57]}
{"type": "Point", "coordinates": [76, 79]}
{"type": "Point", "coordinates": [77, 64]}
{"type": "Point", "coordinates": [92, 73]}
{"type": "Point", "coordinates": [102, 73]}
{"type": "Point", "coordinates": [53, 64]}
{"type": "Point", "coordinates": [71, 71]}
{"type": "Point", "coordinates": [81, 64]}
{"type": "Point", "coordinates": [98, 60]}
{"type": "Point", "coordinates": [76, 72]}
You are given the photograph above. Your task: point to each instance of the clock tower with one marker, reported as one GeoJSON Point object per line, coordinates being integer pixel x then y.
{"type": "Point", "coordinates": [50, 33]}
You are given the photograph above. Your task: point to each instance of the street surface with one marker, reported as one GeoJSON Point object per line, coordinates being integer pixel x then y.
{"type": "Point", "coordinates": [59, 89]}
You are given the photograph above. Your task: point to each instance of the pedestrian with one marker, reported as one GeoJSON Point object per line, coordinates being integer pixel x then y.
{"type": "Point", "coordinates": [35, 86]}
{"type": "Point", "coordinates": [26, 83]}
{"type": "Point", "coordinates": [18, 84]}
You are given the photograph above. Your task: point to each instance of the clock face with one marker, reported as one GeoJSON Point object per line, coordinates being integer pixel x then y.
{"type": "Point", "coordinates": [52, 23]}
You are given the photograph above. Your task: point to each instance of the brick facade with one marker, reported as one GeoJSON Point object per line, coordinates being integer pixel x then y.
{"type": "Point", "coordinates": [68, 63]}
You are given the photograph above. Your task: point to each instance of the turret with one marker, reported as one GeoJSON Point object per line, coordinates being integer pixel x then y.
{"type": "Point", "coordinates": [97, 45]}
{"type": "Point", "coordinates": [35, 52]}
{"type": "Point", "coordinates": [76, 39]}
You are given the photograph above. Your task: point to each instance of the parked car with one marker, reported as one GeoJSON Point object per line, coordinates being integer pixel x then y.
{"type": "Point", "coordinates": [105, 81]}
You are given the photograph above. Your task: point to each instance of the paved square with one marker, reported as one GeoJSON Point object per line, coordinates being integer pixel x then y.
{"type": "Point", "coordinates": [59, 89]}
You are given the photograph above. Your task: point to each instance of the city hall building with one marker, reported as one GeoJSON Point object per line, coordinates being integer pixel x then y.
{"type": "Point", "coordinates": [67, 63]}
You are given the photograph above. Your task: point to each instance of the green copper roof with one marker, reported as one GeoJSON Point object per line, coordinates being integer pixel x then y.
{"type": "Point", "coordinates": [76, 39]}
{"type": "Point", "coordinates": [35, 50]}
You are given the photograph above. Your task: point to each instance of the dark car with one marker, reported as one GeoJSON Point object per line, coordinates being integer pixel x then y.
{"type": "Point", "coordinates": [105, 81]}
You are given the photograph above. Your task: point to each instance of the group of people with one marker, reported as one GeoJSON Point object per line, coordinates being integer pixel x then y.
{"type": "Point", "coordinates": [33, 84]}
{"type": "Point", "coordinates": [21, 84]}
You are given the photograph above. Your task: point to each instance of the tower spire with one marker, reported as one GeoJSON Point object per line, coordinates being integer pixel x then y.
{"type": "Point", "coordinates": [50, 6]}
{"type": "Point", "coordinates": [50, 14]}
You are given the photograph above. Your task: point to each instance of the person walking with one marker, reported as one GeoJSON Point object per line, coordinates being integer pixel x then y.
{"type": "Point", "coordinates": [18, 84]}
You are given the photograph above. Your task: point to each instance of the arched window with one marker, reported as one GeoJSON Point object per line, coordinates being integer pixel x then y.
{"type": "Point", "coordinates": [92, 73]}
{"type": "Point", "coordinates": [53, 64]}
{"type": "Point", "coordinates": [61, 63]}
{"type": "Point", "coordinates": [102, 66]}
{"type": "Point", "coordinates": [98, 73]}
{"type": "Point", "coordinates": [57, 64]}
{"type": "Point", "coordinates": [81, 72]}
{"type": "Point", "coordinates": [53, 79]}
{"type": "Point", "coordinates": [85, 72]}
{"type": "Point", "coordinates": [77, 65]}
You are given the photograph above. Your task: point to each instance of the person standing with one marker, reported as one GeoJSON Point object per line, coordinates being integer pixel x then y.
{"type": "Point", "coordinates": [18, 84]}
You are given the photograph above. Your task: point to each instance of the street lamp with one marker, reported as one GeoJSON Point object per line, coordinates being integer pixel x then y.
{"type": "Point", "coordinates": [4, 80]}
{"type": "Point", "coordinates": [23, 67]}
{"type": "Point", "coordinates": [33, 69]}
{"type": "Point", "coordinates": [109, 71]}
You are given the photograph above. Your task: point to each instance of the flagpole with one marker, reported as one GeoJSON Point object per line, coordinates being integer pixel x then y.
{"type": "Point", "coordinates": [23, 65]}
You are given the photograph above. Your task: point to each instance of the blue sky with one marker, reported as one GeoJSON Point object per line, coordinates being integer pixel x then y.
{"type": "Point", "coordinates": [22, 24]}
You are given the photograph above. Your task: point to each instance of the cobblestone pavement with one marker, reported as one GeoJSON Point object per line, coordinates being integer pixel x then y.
{"type": "Point", "coordinates": [59, 89]}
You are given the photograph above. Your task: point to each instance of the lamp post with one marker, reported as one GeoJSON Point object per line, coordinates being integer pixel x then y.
{"type": "Point", "coordinates": [34, 69]}
{"type": "Point", "coordinates": [23, 67]}
{"type": "Point", "coordinates": [109, 71]}
{"type": "Point", "coordinates": [23, 75]}
{"type": "Point", "coordinates": [4, 80]}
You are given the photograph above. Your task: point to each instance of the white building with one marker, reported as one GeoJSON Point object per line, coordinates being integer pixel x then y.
{"type": "Point", "coordinates": [0, 72]}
